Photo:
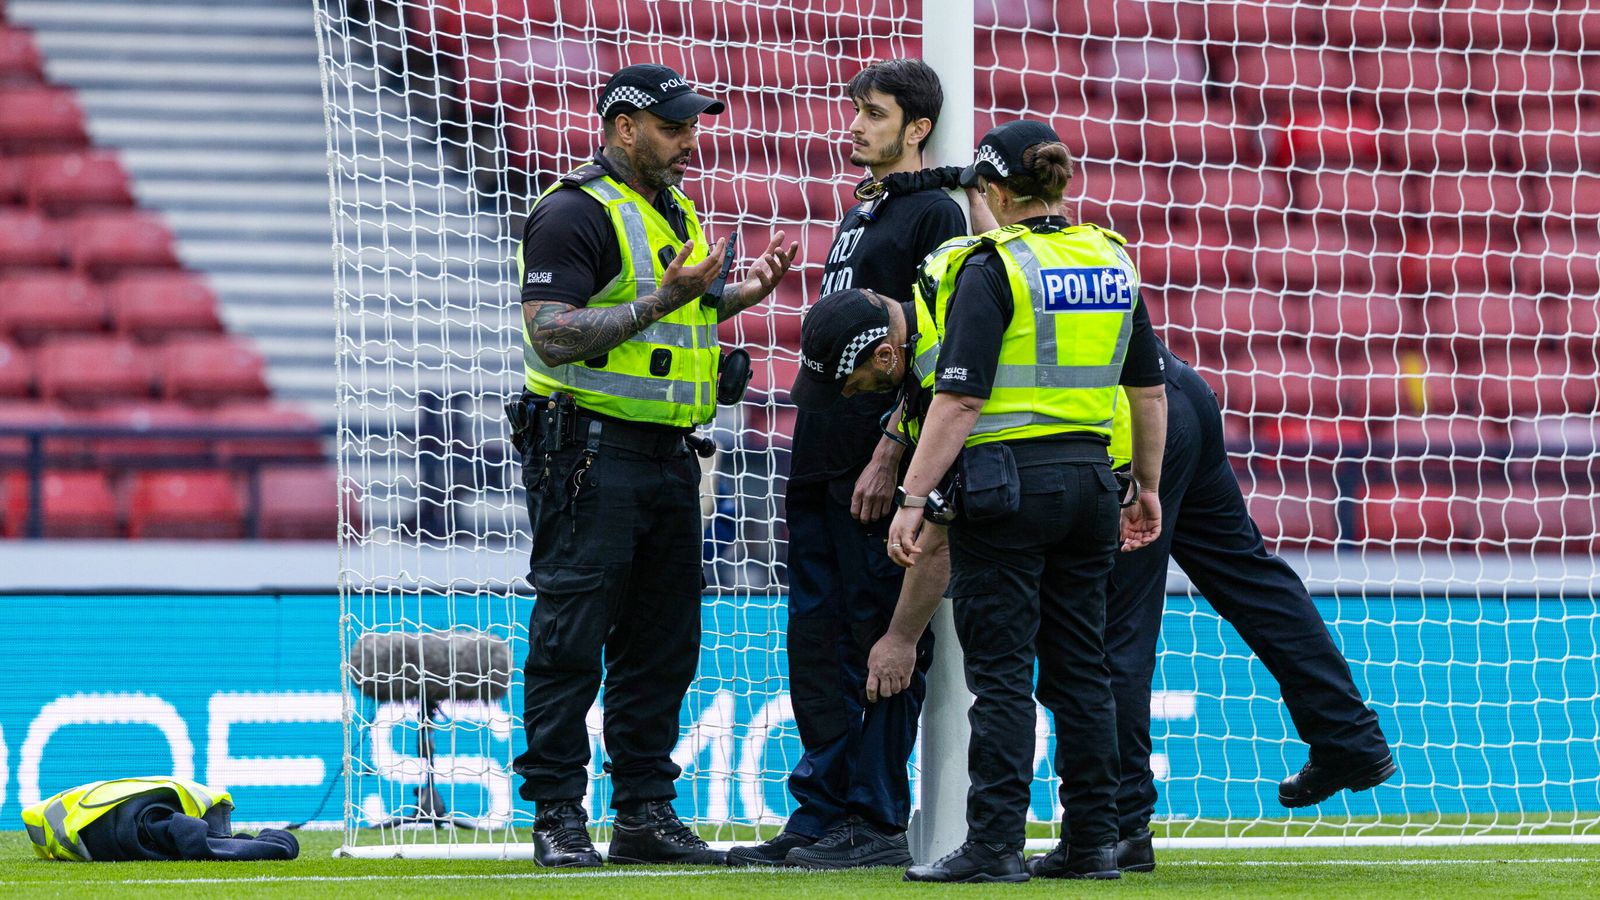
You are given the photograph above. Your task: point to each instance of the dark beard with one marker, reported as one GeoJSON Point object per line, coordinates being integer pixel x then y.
{"type": "Point", "coordinates": [892, 152]}
{"type": "Point", "coordinates": [648, 171]}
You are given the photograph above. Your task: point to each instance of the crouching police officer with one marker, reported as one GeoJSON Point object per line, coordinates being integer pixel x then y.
{"type": "Point", "coordinates": [1039, 322]}
{"type": "Point", "coordinates": [620, 305]}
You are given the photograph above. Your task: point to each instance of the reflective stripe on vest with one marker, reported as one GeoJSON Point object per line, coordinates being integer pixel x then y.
{"type": "Point", "coordinates": [1121, 432]}
{"type": "Point", "coordinates": [1042, 387]}
{"type": "Point", "coordinates": [55, 823]}
{"type": "Point", "coordinates": [55, 815]}
{"type": "Point", "coordinates": [626, 385]}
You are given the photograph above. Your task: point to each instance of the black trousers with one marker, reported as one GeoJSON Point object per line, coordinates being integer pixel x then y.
{"type": "Point", "coordinates": [618, 580]}
{"type": "Point", "coordinates": [842, 593]}
{"type": "Point", "coordinates": [1207, 528]}
{"type": "Point", "coordinates": [1026, 587]}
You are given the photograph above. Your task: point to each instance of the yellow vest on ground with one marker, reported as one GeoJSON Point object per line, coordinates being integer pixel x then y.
{"type": "Point", "coordinates": [1074, 292]}
{"type": "Point", "coordinates": [631, 382]}
{"type": "Point", "coordinates": [54, 824]}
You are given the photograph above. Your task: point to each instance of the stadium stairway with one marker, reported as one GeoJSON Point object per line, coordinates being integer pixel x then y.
{"type": "Point", "coordinates": [215, 107]}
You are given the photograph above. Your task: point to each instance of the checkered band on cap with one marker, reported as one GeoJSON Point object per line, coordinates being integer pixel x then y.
{"type": "Point", "coordinates": [629, 95]}
{"type": "Point", "coordinates": [847, 359]}
{"type": "Point", "coordinates": [988, 154]}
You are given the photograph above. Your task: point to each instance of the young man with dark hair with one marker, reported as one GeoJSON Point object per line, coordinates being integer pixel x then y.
{"type": "Point", "coordinates": [852, 784]}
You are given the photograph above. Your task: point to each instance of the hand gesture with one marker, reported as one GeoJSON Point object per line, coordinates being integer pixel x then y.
{"type": "Point", "coordinates": [874, 493]}
{"type": "Point", "coordinates": [681, 284]}
{"type": "Point", "coordinates": [1141, 522]}
{"type": "Point", "coordinates": [768, 269]}
{"type": "Point", "coordinates": [889, 667]}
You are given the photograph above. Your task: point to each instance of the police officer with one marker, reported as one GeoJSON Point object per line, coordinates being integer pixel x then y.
{"type": "Point", "coordinates": [1039, 322]}
{"type": "Point", "coordinates": [1207, 528]}
{"type": "Point", "coordinates": [851, 786]}
{"type": "Point", "coordinates": [621, 356]}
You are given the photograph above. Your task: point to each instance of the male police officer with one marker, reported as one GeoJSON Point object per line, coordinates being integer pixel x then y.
{"type": "Point", "coordinates": [622, 358]}
{"type": "Point", "coordinates": [1208, 530]}
{"type": "Point", "coordinates": [852, 786]}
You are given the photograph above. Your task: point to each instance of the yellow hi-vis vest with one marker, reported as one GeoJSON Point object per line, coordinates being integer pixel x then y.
{"type": "Point", "coordinates": [53, 824]}
{"type": "Point", "coordinates": [631, 382]}
{"type": "Point", "coordinates": [1121, 432]}
{"type": "Point", "coordinates": [1074, 292]}
{"type": "Point", "coordinates": [934, 274]}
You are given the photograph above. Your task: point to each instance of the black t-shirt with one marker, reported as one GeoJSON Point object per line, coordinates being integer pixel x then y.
{"type": "Point", "coordinates": [880, 256]}
{"type": "Point", "coordinates": [981, 308]}
{"type": "Point", "coordinates": [569, 247]}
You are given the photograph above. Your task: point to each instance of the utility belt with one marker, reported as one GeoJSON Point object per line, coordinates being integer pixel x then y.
{"type": "Point", "coordinates": [986, 484]}
{"type": "Point", "coordinates": [548, 425]}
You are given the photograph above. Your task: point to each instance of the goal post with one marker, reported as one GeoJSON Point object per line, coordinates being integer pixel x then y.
{"type": "Point", "coordinates": [1371, 224]}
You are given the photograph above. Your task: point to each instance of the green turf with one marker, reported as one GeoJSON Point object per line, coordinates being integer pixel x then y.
{"type": "Point", "coordinates": [1358, 874]}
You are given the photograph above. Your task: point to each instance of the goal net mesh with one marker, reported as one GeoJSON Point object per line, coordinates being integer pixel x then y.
{"type": "Point", "coordinates": [1372, 226]}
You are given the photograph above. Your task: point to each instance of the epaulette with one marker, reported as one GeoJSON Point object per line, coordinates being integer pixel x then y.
{"type": "Point", "coordinates": [582, 175]}
{"type": "Point", "coordinates": [1005, 233]}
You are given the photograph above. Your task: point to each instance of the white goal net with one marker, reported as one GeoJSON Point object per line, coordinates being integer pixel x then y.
{"type": "Point", "coordinates": [1371, 225]}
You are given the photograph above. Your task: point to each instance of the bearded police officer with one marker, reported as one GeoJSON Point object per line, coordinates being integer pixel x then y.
{"type": "Point", "coordinates": [851, 786]}
{"type": "Point", "coordinates": [1207, 529]}
{"type": "Point", "coordinates": [1040, 321]}
{"type": "Point", "coordinates": [622, 361]}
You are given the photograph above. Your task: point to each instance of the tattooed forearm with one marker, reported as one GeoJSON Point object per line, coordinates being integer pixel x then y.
{"type": "Point", "coordinates": [736, 300]}
{"type": "Point", "coordinates": [562, 334]}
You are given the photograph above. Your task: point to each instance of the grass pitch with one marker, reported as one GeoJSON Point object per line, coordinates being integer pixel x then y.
{"type": "Point", "coordinates": [1364, 873]}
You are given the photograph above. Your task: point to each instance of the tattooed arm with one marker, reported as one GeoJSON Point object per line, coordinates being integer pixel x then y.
{"type": "Point", "coordinates": [765, 274]}
{"type": "Point", "coordinates": [562, 333]}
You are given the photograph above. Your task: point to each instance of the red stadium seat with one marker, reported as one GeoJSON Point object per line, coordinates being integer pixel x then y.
{"type": "Point", "coordinates": [1107, 132]}
{"type": "Point", "coordinates": [1517, 79]}
{"type": "Point", "coordinates": [1493, 318]}
{"type": "Point", "coordinates": [1141, 72]}
{"type": "Point", "coordinates": [1471, 260]}
{"type": "Point", "coordinates": [79, 504]}
{"type": "Point", "coordinates": [92, 371]}
{"type": "Point", "coordinates": [28, 241]}
{"type": "Point", "coordinates": [1186, 259]}
{"type": "Point", "coordinates": [36, 414]}
{"type": "Point", "coordinates": [44, 303]}
{"type": "Point", "coordinates": [1372, 200]}
{"type": "Point", "coordinates": [1379, 23]}
{"type": "Point", "coordinates": [1497, 201]}
{"type": "Point", "coordinates": [1571, 196]}
{"type": "Point", "coordinates": [149, 306]}
{"type": "Point", "coordinates": [1528, 386]}
{"type": "Point", "coordinates": [1024, 70]}
{"type": "Point", "coordinates": [16, 370]}
{"type": "Point", "coordinates": [1209, 195]}
{"type": "Point", "coordinates": [771, 376]}
{"type": "Point", "coordinates": [1403, 74]}
{"type": "Point", "coordinates": [1273, 78]}
{"type": "Point", "coordinates": [1541, 517]}
{"type": "Point", "coordinates": [1317, 136]}
{"type": "Point", "coordinates": [1560, 265]}
{"type": "Point", "coordinates": [1292, 510]}
{"type": "Point", "coordinates": [149, 422]}
{"type": "Point", "coordinates": [1572, 319]}
{"type": "Point", "coordinates": [20, 63]}
{"type": "Point", "coordinates": [1229, 319]}
{"type": "Point", "coordinates": [185, 504]}
{"type": "Point", "coordinates": [1199, 132]}
{"type": "Point", "coordinates": [1559, 140]}
{"type": "Point", "coordinates": [1229, 23]}
{"type": "Point", "coordinates": [764, 327]}
{"type": "Point", "coordinates": [301, 440]}
{"type": "Point", "coordinates": [1497, 25]}
{"type": "Point", "coordinates": [33, 118]}
{"type": "Point", "coordinates": [1445, 437]}
{"type": "Point", "coordinates": [299, 503]}
{"type": "Point", "coordinates": [112, 243]}
{"type": "Point", "coordinates": [1329, 258]}
{"type": "Point", "coordinates": [13, 180]}
{"type": "Point", "coordinates": [1577, 27]}
{"type": "Point", "coordinates": [210, 370]}
{"type": "Point", "coordinates": [1429, 136]}
{"type": "Point", "coordinates": [1282, 381]}
{"type": "Point", "coordinates": [1159, 19]}
{"type": "Point", "coordinates": [1118, 196]}
{"type": "Point", "coordinates": [1415, 515]}
{"type": "Point", "coordinates": [1356, 324]}
{"type": "Point", "coordinates": [14, 498]}
{"type": "Point", "coordinates": [70, 182]}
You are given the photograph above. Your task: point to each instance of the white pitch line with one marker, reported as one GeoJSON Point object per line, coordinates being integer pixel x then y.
{"type": "Point", "coordinates": [670, 873]}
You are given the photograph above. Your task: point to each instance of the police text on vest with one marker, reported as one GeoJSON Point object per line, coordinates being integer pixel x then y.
{"type": "Point", "coordinates": [1096, 289]}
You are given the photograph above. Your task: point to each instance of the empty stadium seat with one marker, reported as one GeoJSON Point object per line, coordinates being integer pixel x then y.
{"type": "Point", "coordinates": [1403, 74]}
{"type": "Point", "coordinates": [1140, 72]}
{"type": "Point", "coordinates": [149, 439]}
{"type": "Point", "coordinates": [1199, 132]}
{"type": "Point", "coordinates": [1541, 517]}
{"type": "Point", "coordinates": [1316, 136]}
{"type": "Point", "coordinates": [210, 370]}
{"type": "Point", "coordinates": [1228, 319]}
{"type": "Point", "coordinates": [1493, 317]}
{"type": "Point", "coordinates": [1559, 140]}
{"type": "Point", "coordinates": [1021, 70]}
{"type": "Point", "coordinates": [36, 305]}
{"type": "Point", "coordinates": [1577, 28]}
{"type": "Point", "coordinates": [764, 326]}
{"type": "Point", "coordinates": [1230, 23]}
{"type": "Point", "coordinates": [13, 180]}
{"type": "Point", "coordinates": [1559, 264]}
{"type": "Point", "coordinates": [34, 118]}
{"type": "Point", "coordinates": [72, 182]}
{"type": "Point", "coordinates": [1282, 380]}
{"type": "Point", "coordinates": [28, 241]}
{"type": "Point", "coordinates": [1118, 196]}
{"type": "Point", "coordinates": [153, 305]}
{"type": "Point", "coordinates": [1497, 25]}
{"type": "Point", "coordinates": [14, 497]}
{"type": "Point", "coordinates": [300, 438]}
{"type": "Point", "coordinates": [1380, 23]}
{"type": "Point", "coordinates": [1374, 200]}
{"type": "Point", "coordinates": [1415, 515]}
{"type": "Point", "coordinates": [1185, 259]}
{"type": "Point", "coordinates": [1159, 19]}
{"type": "Point", "coordinates": [1292, 511]}
{"type": "Point", "coordinates": [1212, 194]}
{"type": "Point", "coordinates": [109, 243]}
{"type": "Point", "coordinates": [34, 414]}
{"type": "Point", "coordinates": [16, 370]}
{"type": "Point", "coordinates": [1429, 135]}
{"type": "Point", "coordinates": [91, 371]}
{"type": "Point", "coordinates": [1529, 387]}
{"type": "Point", "coordinates": [79, 504]}
{"type": "Point", "coordinates": [1326, 258]}
{"type": "Point", "coordinates": [1527, 79]}
{"type": "Point", "coordinates": [1271, 78]}
{"type": "Point", "coordinates": [190, 505]}
{"type": "Point", "coordinates": [299, 502]}
{"type": "Point", "coordinates": [1467, 261]}
{"type": "Point", "coordinates": [20, 63]}
{"type": "Point", "coordinates": [1496, 201]}
{"type": "Point", "coordinates": [1358, 324]}
{"type": "Point", "coordinates": [1567, 196]}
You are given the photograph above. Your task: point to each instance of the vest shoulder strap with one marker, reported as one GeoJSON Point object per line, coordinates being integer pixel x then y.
{"type": "Point", "coordinates": [1004, 233]}
{"type": "Point", "coordinates": [583, 174]}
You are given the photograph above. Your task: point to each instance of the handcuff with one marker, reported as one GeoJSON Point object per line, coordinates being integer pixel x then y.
{"type": "Point", "coordinates": [935, 506]}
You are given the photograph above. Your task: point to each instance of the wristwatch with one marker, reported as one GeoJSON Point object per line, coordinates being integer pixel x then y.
{"type": "Point", "coordinates": [903, 499]}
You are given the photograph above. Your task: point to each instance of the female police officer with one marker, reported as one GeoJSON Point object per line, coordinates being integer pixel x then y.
{"type": "Point", "coordinates": [1040, 322]}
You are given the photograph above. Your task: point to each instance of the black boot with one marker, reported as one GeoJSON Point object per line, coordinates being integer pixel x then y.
{"type": "Point", "coordinates": [1317, 781]}
{"type": "Point", "coordinates": [1136, 852]}
{"type": "Point", "coordinates": [653, 833]}
{"type": "Point", "coordinates": [770, 852]}
{"type": "Point", "coordinates": [853, 844]}
{"type": "Point", "coordinates": [974, 861]}
{"type": "Point", "coordinates": [560, 838]}
{"type": "Point", "coordinates": [1070, 862]}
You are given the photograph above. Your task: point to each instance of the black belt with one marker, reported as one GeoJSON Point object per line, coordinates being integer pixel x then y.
{"type": "Point", "coordinates": [1068, 448]}
{"type": "Point", "coordinates": [649, 440]}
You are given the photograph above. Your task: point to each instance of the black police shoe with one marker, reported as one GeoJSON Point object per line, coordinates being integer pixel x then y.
{"type": "Point", "coordinates": [974, 861]}
{"type": "Point", "coordinates": [1065, 862]}
{"type": "Point", "coordinates": [653, 833]}
{"type": "Point", "coordinates": [561, 838]}
{"type": "Point", "coordinates": [1316, 781]}
{"type": "Point", "coordinates": [853, 844]}
{"type": "Point", "coordinates": [769, 852]}
{"type": "Point", "coordinates": [1136, 852]}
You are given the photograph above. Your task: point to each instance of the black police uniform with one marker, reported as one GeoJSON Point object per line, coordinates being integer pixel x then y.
{"type": "Point", "coordinates": [1207, 528]}
{"type": "Point", "coordinates": [842, 585]}
{"type": "Point", "coordinates": [1031, 586]}
{"type": "Point", "coordinates": [618, 569]}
